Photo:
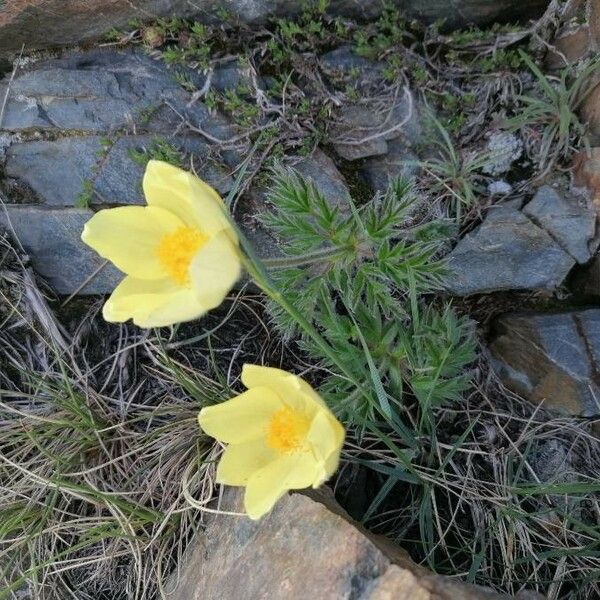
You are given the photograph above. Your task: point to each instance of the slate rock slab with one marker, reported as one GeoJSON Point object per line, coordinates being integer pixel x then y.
{"type": "Point", "coordinates": [507, 252]}
{"type": "Point", "coordinates": [569, 221]}
{"type": "Point", "coordinates": [71, 21]}
{"type": "Point", "coordinates": [56, 171]}
{"type": "Point", "coordinates": [118, 177]}
{"type": "Point", "coordinates": [554, 358]}
{"type": "Point", "coordinates": [51, 237]}
{"type": "Point", "coordinates": [363, 130]}
{"type": "Point", "coordinates": [99, 92]}
{"type": "Point", "coordinates": [529, 249]}
{"type": "Point", "coordinates": [380, 171]}
{"type": "Point", "coordinates": [62, 171]}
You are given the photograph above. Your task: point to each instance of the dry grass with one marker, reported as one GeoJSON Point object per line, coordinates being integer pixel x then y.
{"type": "Point", "coordinates": [104, 475]}
{"type": "Point", "coordinates": [508, 498]}
{"type": "Point", "coordinates": [103, 470]}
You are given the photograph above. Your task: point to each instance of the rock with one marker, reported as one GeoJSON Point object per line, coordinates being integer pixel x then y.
{"type": "Point", "coordinates": [69, 170]}
{"type": "Point", "coordinates": [571, 223]}
{"type": "Point", "coordinates": [507, 252]}
{"type": "Point", "coordinates": [587, 173]}
{"type": "Point", "coordinates": [571, 47]}
{"type": "Point", "coordinates": [358, 135]}
{"type": "Point", "coordinates": [554, 358]}
{"type": "Point", "coordinates": [303, 550]}
{"type": "Point", "coordinates": [99, 92]}
{"type": "Point", "coordinates": [118, 177]}
{"type": "Point", "coordinates": [344, 59]}
{"type": "Point", "coordinates": [94, 109]}
{"type": "Point", "coordinates": [230, 76]}
{"type": "Point", "coordinates": [56, 171]}
{"type": "Point", "coordinates": [68, 22]}
{"type": "Point", "coordinates": [51, 237]}
{"type": "Point", "coordinates": [499, 188]}
{"type": "Point", "coordinates": [502, 149]}
{"type": "Point", "coordinates": [363, 130]}
{"type": "Point", "coordinates": [590, 113]}
{"type": "Point", "coordinates": [380, 171]}
{"type": "Point", "coordinates": [322, 172]}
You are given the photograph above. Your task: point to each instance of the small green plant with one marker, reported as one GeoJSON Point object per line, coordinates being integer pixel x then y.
{"type": "Point", "coordinates": [388, 31]}
{"type": "Point", "coordinates": [455, 178]}
{"type": "Point", "coordinates": [550, 115]}
{"type": "Point", "coordinates": [185, 81]}
{"type": "Point", "coordinates": [356, 275]}
{"type": "Point", "coordinates": [160, 149]}
{"type": "Point", "coordinates": [86, 195]}
{"type": "Point", "coordinates": [235, 102]}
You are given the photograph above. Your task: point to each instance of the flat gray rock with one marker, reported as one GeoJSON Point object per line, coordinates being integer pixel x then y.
{"type": "Point", "coordinates": [55, 171]}
{"type": "Point", "coordinates": [97, 170]}
{"type": "Point", "coordinates": [101, 91]}
{"type": "Point", "coordinates": [51, 23]}
{"type": "Point", "coordinates": [507, 252]}
{"type": "Point", "coordinates": [51, 237]}
{"type": "Point", "coordinates": [119, 177]}
{"type": "Point", "coordinates": [364, 130]}
{"type": "Point", "coordinates": [570, 222]}
{"type": "Point", "coordinates": [551, 358]}
{"type": "Point", "coordinates": [323, 173]}
{"type": "Point", "coordinates": [380, 171]}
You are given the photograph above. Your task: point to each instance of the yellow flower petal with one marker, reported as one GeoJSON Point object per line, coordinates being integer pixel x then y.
{"type": "Point", "coordinates": [291, 388]}
{"type": "Point", "coordinates": [325, 437]}
{"type": "Point", "coordinates": [129, 237]}
{"type": "Point", "coordinates": [266, 486]}
{"type": "Point", "coordinates": [152, 303]}
{"type": "Point", "coordinates": [241, 419]}
{"type": "Point", "coordinates": [240, 461]}
{"type": "Point", "coordinates": [192, 200]}
{"type": "Point", "coordinates": [215, 269]}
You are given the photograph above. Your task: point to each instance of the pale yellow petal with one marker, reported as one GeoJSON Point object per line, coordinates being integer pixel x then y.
{"type": "Point", "coordinates": [129, 236]}
{"type": "Point", "coordinates": [292, 389]}
{"type": "Point", "coordinates": [241, 419]}
{"type": "Point", "coordinates": [215, 269]}
{"type": "Point", "coordinates": [152, 303]}
{"type": "Point", "coordinates": [240, 461]}
{"type": "Point", "coordinates": [191, 199]}
{"type": "Point", "coordinates": [325, 437]}
{"type": "Point", "coordinates": [266, 486]}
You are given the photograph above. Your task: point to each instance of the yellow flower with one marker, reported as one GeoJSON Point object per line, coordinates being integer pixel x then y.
{"type": "Point", "coordinates": [280, 434]}
{"type": "Point", "coordinates": [180, 252]}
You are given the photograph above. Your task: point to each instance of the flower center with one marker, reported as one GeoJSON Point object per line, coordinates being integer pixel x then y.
{"type": "Point", "coordinates": [286, 430]}
{"type": "Point", "coordinates": [176, 251]}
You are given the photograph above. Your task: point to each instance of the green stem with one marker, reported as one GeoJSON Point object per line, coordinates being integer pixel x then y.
{"type": "Point", "coordinates": [300, 261]}
{"type": "Point", "coordinates": [260, 276]}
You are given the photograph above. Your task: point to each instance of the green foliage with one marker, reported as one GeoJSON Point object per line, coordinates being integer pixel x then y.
{"type": "Point", "coordinates": [185, 81]}
{"type": "Point", "coordinates": [86, 195]}
{"type": "Point", "coordinates": [357, 274]}
{"type": "Point", "coordinates": [552, 111]}
{"type": "Point", "coordinates": [159, 150]}
{"type": "Point", "coordinates": [455, 177]}
{"type": "Point", "coordinates": [236, 103]}
{"type": "Point", "coordinates": [389, 31]}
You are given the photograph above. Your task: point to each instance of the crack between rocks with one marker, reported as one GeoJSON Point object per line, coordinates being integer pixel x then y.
{"type": "Point", "coordinates": [595, 371]}
{"type": "Point", "coordinates": [553, 237]}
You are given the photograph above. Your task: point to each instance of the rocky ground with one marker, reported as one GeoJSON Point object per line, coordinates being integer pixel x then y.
{"type": "Point", "coordinates": [518, 199]}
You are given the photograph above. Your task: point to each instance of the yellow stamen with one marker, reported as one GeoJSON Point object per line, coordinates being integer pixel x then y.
{"type": "Point", "coordinates": [176, 251]}
{"type": "Point", "coordinates": [287, 430]}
